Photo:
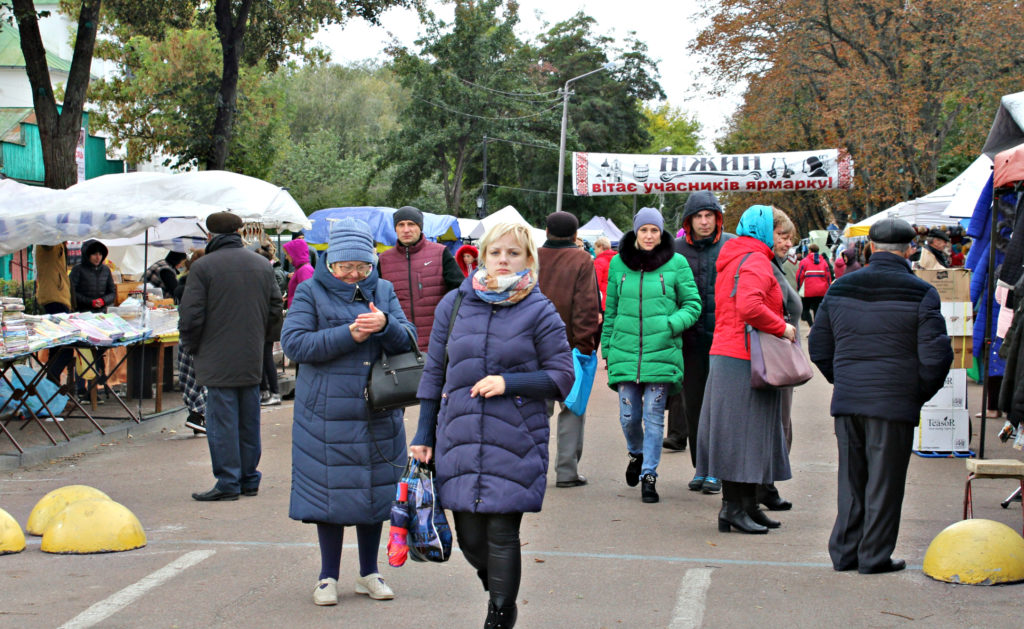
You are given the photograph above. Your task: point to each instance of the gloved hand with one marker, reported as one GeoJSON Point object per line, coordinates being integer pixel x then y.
{"type": "Point", "coordinates": [97, 303]}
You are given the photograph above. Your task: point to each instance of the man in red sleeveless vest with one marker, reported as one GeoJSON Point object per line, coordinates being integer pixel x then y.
{"type": "Point", "coordinates": [422, 271]}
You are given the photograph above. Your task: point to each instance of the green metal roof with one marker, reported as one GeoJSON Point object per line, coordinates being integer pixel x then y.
{"type": "Point", "coordinates": [11, 57]}
{"type": "Point", "coordinates": [10, 120]}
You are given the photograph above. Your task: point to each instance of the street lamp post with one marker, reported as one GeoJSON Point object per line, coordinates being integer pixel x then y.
{"type": "Point", "coordinates": [565, 118]}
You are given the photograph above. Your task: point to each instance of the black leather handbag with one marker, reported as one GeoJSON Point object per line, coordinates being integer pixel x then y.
{"type": "Point", "coordinates": [395, 379]}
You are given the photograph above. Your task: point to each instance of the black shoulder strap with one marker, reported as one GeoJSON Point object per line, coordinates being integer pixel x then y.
{"type": "Point", "coordinates": [736, 278]}
{"type": "Point", "coordinates": [451, 324]}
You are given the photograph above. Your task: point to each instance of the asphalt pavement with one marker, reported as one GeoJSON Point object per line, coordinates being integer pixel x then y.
{"type": "Point", "coordinates": [595, 557]}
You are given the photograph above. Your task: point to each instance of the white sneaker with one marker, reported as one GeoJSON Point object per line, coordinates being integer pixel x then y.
{"type": "Point", "coordinates": [264, 396]}
{"type": "Point", "coordinates": [326, 592]}
{"type": "Point", "coordinates": [373, 585]}
{"type": "Point", "coordinates": [273, 400]}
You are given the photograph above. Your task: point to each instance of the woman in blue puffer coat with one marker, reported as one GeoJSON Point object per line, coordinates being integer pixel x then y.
{"type": "Point", "coordinates": [344, 456]}
{"type": "Point", "coordinates": [485, 418]}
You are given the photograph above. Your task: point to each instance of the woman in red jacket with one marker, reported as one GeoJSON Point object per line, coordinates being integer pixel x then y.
{"type": "Point", "coordinates": [740, 439]}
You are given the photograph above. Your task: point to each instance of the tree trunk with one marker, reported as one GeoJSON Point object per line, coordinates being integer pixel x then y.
{"type": "Point", "coordinates": [58, 131]}
{"type": "Point", "coordinates": [231, 31]}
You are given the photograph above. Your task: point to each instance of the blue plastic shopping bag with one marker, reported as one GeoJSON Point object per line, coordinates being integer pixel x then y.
{"type": "Point", "coordinates": [585, 367]}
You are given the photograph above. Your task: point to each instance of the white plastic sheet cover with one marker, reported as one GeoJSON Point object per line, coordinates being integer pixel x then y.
{"type": "Point", "coordinates": [40, 216]}
{"type": "Point", "coordinates": [249, 197]}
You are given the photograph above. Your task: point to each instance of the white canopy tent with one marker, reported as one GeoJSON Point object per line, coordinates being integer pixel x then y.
{"type": "Point", "coordinates": [931, 209]}
{"type": "Point", "coordinates": [250, 198]}
{"type": "Point", "coordinates": [40, 216]}
{"type": "Point", "coordinates": [507, 214]}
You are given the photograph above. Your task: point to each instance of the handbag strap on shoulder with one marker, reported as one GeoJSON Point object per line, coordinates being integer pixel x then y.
{"type": "Point", "coordinates": [451, 325]}
{"type": "Point", "coordinates": [736, 278]}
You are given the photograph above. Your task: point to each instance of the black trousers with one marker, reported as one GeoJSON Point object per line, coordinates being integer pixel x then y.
{"type": "Point", "coordinates": [684, 408]}
{"type": "Point", "coordinates": [490, 542]}
{"type": "Point", "coordinates": [269, 379]}
{"type": "Point", "coordinates": [873, 458]}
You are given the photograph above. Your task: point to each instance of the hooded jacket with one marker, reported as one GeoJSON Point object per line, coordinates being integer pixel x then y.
{"type": "Point", "coordinates": [464, 249]}
{"type": "Point", "coordinates": [651, 299]}
{"type": "Point", "coordinates": [747, 294]}
{"type": "Point", "coordinates": [701, 254]}
{"type": "Point", "coordinates": [298, 251]}
{"type": "Point", "coordinates": [339, 475]}
{"type": "Point", "coordinates": [880, 338]}
{"type": "Point", "coordinates": [813, 275]}
{"type": "Point", "coordinates": [92, 281]}
{"type": "Point", "coordinates": [492, 453]}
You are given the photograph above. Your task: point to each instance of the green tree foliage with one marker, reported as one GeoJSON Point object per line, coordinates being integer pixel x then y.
{"type": "Point", "coordinates": [254, 35]}
{"type": "Point", "coordinates": [671, 127]}
{"type": "Point", "coordinates": [475, 79]}
{"type": "Point", "coordinates": [166, 99]}
{"type": "Point", "coordinates": [338, 119]}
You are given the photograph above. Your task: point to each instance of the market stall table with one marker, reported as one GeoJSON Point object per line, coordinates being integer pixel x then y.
{"type": "Point", "coordinates": [23, 395]}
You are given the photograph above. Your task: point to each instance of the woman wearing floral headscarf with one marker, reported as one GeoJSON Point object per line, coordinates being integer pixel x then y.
{"type": "Point", "coordinates": [740, 439]}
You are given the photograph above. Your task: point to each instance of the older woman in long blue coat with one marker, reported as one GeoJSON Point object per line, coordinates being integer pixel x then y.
{"type": "Point", "coordinates": [485, 416]}
{"type": "Point", "coordinates": [344, 456]}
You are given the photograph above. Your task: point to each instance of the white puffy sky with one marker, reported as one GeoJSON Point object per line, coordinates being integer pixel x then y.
{"type": "Point", "coordinates": [666, 26]}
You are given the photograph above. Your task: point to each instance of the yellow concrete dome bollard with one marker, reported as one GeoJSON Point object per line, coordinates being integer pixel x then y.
{"type": "Point", "coordinates": [54, 502]}
{"type": "Point", "coordinates": [94, 525]}
{"type": "Point", "coordinates": [976, 552]}
{"type": "Point", "coordinates": [12, 540]}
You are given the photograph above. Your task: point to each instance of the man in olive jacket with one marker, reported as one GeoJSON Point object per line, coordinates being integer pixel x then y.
{"type": "Point", "coordinates": [568, 279]}
{"type": "Point", "coordinates": [230, 301]}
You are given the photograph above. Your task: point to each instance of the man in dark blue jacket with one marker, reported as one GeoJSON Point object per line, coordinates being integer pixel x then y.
{"type": "Point", "coordinates": [703, 220]}
{"type": "Point", "coordinates": [880, 338]}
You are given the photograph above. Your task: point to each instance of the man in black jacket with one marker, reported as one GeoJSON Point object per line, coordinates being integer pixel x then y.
{"type": "Point", "coordinates": [702, 219]}
{"type": "Point", "coordinates": [230, 300]}
{"type": "Point", "coordinates": [880, 338]}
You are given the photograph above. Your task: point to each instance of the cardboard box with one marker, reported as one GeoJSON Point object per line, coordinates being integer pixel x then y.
{"type": "Point", "coordinates": [959, 316]}
{"type": "Point", "coordinates": [953, 394]}
{"type": "Point", "coordinates": [952, 284]}
{"type": "Point", "coordinates": [963, 352]}
{"type": "Point", "coordinates": [124, 288]}
{"type": "Point", "coordinates": [943, 430]}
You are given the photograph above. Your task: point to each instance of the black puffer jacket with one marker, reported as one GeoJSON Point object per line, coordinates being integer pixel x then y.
{"type": "Point", "coordinates": [880, 338]}
{"type": "Point", "coordinates": [701, 254]}
{"type": "Point", "coordinates": [92, 281]}
{"type": "Point", "coordinates": [1011, 393]}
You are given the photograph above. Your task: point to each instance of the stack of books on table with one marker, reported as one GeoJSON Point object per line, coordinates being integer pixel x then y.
{"type": "Point", "coordinates": [15, 329]}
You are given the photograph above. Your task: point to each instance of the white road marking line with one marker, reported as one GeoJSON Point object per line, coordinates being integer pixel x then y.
{"type": "Point", "coordinates": [118, 601]}
{"type": "Point", "coordinates": [689, 611]}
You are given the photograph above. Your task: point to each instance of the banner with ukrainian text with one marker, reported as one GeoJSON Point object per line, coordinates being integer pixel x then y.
{"type": "Point", "coordinates": [616, 173]}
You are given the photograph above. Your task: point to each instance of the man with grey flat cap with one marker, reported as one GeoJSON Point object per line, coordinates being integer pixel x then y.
{"type": "Point", "coordinates": [880, 339]}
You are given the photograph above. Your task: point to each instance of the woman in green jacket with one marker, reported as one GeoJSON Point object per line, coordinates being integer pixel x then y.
{"type": "Point", "coordinates": [651, 299]}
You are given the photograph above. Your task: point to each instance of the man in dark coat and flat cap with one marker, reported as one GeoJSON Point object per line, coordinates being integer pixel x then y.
{"type": "Point", "coordinates": [230, 300]}
{"type": "Point", "coordinates": [880, 338]}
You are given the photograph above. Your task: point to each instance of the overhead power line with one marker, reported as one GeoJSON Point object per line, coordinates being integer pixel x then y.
{"type": "Point", "coordinates": [468, 115]}
{"type": "Point", "coordinates": [494, 185]}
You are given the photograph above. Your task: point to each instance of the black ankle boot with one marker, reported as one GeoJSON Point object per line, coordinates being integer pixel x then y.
{"type": "Point", "coordinates": [758, 516]}
{"type": "Point", "coordinates": [769, 496]}
{"type": "Point", "coordinates": [648, 493]}
{"type": "Point", "coordinates": [503, 617]}
{"type": "Point", "coordinates": [636, 463]}
{"type": "Point", "coordinates": [734, 515]}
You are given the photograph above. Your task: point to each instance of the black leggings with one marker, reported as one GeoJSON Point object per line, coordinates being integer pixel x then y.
{"type": "Point", "coordinates": [490, 543]}
{"type": "Point", "coordinates": [269, 380]}
{"type": "Point", "coordinates": [736, 492]}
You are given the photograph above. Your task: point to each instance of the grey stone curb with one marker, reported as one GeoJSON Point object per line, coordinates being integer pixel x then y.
{"type": "Point", "coordinates": [38, 455]}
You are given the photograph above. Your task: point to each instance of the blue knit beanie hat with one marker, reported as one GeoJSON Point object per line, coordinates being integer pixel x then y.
{"type": "Point", "coordinates": [648, 216]}
{"type": "Point", "coordinates": [351, 240]}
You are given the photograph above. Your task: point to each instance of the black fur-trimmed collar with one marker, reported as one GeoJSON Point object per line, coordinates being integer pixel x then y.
{"type": "Point", "coordinates": [638, 260]}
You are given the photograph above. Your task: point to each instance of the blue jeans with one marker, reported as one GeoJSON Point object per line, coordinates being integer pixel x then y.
{"type": "Point", "coordinates": [644, 402]}
{"type": "Point", "coordinates": [233, 434]}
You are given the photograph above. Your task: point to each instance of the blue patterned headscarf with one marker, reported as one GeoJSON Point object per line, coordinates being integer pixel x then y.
{"type": "Point", "coordinates": [758, 222]}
